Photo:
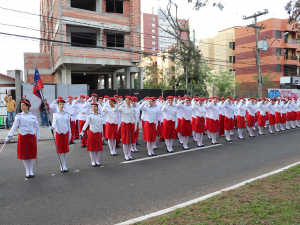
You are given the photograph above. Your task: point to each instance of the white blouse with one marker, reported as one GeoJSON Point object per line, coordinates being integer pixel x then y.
{"type": "Point", "coordinates": [61, 121]}
{"type": "Point", "coordinates": [27, 124]}
{"type": "Point", "coordinates": [96, 123]}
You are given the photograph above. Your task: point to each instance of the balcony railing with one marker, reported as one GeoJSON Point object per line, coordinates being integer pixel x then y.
{"type": "Point", "coordinates": [291, 41]}
{"type": "Point", "coordinates": [290, 57]}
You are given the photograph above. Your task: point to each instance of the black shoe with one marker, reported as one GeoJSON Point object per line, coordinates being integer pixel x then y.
{"type": "Point", "coordinates": [138, 143]}
{"type": "Point", "coordinates": [62, 171]}
{"type": "Point", "coordinates": [105, 139]}
{"type": "Point", "coordinates": [76, 138]}
{"type": "Point", "coordinates": [241, 138]}
{"type": "Point", "coordinates": [82, 146]}
{"type": "Point", "coordinates": [186, 148]}
{"type": "Point", "coordinates": [252, 136]}
{"type": "Point", "coordinates": [66, 170]}
{"type": "Point", "coordinates": [208, 138]}
{"type": "Point", "coordinates": [270, 132]}
{"type": "Point", "coordinates": [202, 145]}
{"type": "Point", "coordinates": [70, 143]}
{"type": "Point", "coordinates": [153, 154]}
{"type": "Point", "coordinates": [85, 146]}
{"type": "Point", "coordinates": [191, 136]}
{"type": "Point", "coordinates": [194, 141]}
{"type": "Point", "coordinates": [131, 158]}
{"type": "Point", "coordinates": [213, 143]}
{"type": "Point", "coordinates": [199, 145]}
{"type": "Point", "coordinates": [29, 176]}
{"type": "Point", "coordinates": [155, 148]}
{"type": "Point", "coordinates": [94, 165]}
{"type": "Point", "coordinates": [161, 140]}
{"type": "Point", "coordinates": [177, 138]}
{"type": "Point", "coordinates": [127, 159]}
{"type": "Point", "coordinates": [150, 155]}
{"type": "Point", "coordinates": [98, 164]}
{"type": "Point", "coordinates": [181, 143]}
{"type": "Point", "coordinates": [118, 146]}
{"type": "Point", "coordinates": [104, 144]}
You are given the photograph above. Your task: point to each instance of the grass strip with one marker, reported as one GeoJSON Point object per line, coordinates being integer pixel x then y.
{"type": "Point", "coordinates": [271, 200]}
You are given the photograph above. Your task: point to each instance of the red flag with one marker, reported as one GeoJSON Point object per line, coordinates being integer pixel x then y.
{"type": "Point", "coordinates": [37, 84]}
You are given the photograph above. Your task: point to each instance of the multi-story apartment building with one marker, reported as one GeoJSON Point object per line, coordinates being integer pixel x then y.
{"type": "Point", "coordinates": [219, 52]}
{"type": "Point", "coordinates": [281, 59]}
{"type": "Point", "coordinates": [155, 39]}
{"type": "Point", "coordinates": [90, 40]}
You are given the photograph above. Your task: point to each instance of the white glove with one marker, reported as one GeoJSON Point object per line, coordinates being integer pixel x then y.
{"type": "Point", "coordinates": [37, 139]}
{"type": "Point", "coordinates": [7, 138]}
{"type": "Point", "coordinates": [51, 128]}
{"type": "Point", "coordinates": [81, 134]}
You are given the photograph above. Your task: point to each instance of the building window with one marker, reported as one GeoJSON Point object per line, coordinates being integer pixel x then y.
{"type": "Point", "coordinates": [153, 42]}
{"type": "Point", "coordinates": [81, 39]}
{"type": "Point", "coordinates": [278, 33]}
{"type": "Point", "coordinates": [232, 45]}
{"type": "Point", "coordinates": [278, 68]}
{"type": "Point", "coordinates": [115, 40]}
{"type": "Point", "coordinates": [230, 59]}
{"type": "Point", "coordinates": [153, 37]}
{"type": "Point", "coordinates": [86, 4]}
{"type": "Point", "coordinates": [153, 19]}
{"type": "Point", "coordinates": [114, 6]}
{"type": "Point", "coordinates": [153, 49]}
{"type": "Point", "coordinates": [278, 51]}
{"type": "Point", "coordinates": [153, 25]}
{"type": "Point", "coordinates": [233, 59]}
{"type": "Point", "coordinates": [153, 31]}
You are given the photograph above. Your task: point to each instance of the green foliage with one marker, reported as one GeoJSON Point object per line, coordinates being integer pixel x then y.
{"type": "Point", "coordinates": [223, 83]}
{"type": "Point", "coordinates": [199, 4]}
{"type": "Point", "coordinates": [154, 76]}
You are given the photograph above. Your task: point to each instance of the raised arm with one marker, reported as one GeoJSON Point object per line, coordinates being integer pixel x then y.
{"type": "Point", "coordinates": [87, 104]}
{"type": "Point", "coordinates": [143, 106]}
{"type": "Point", "coordinates": [74, 103]}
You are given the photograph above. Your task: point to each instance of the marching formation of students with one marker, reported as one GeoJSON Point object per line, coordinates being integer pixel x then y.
{"type": "Point", "coordinates": [94, 119]}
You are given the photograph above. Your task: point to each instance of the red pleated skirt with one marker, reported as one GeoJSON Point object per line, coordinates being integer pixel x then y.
{"type": "Point", "coordinates": [200, 125]}
{"type": "Point", "coordinates": [298, 115]}
{"type": "Point", "coordinates": [94, 143]}
{"type": "Point", "coordinates": [127, 133]}
{"type": "Point", "coordinates": [186, 127]}
{"type": "Point", "coordinates": [289, 116]}
{"type": "Point", "coordinates": [235, 121]}
{"type": "Point", "coordinates": [256, 117]}
{"type": "Point", "coordinates": [111, 131]}
{"type": "Point", "coordinates": [267, 115]}
{"type": "Point", "coordinates": [159, 126]}
{"type": "Point", "coordinates": [62, 142]}
{"type": "Point", "coordinates": [104, 129]}
{"type": "Point", "coordinates": [294, 116]}
{"type": "Point", "coordinates": [277, 117]}
{"type": "Point", "coordinates": [207, 123]}
{"type": "Point", "coordinates": [228, 123]}
{"type": "Point", "coordinates": [213, 125]}
{"type": "Point", "coordinates": [283, 118]}
{"type": "Point", "coordinates": [271, 119]}
{"type": "Point", "coordinates": [149, 133]}
{"type": "Point", "coordinates": [137, 130]}
{"type": "Point", "coordinates": [250, 120]}
{"type": "Point", "coordinates": [26, 147]}
{"type": "Point", "coordinates": [261, 120]}
{"type": "Point", "coordinates": [193, 123]}
{"type": "Point", "coordinates": [178, 129]}
{"type": "Point", "coordinates": [241, 122]}
{"type": "Point", "coordinates": [168, 130]}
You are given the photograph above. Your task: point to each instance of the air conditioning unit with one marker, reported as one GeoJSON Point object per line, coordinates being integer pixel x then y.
{"type": "Point", "coordinates": [263, 45]}
{"type": "Point", "coordinates": [296, 80]}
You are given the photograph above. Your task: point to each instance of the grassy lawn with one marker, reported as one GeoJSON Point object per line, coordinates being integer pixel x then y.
{"type": "Point", "coordinates": [272, 200]}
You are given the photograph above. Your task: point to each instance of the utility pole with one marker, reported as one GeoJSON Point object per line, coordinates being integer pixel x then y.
{"type": "Point", "coordinates": [257, 29]}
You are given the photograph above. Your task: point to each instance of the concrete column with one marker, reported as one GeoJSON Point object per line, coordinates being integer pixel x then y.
{"type": "Point", "coordinates": [59, 76]}
{"type": "Point", "coordinates": [140, 78]}
{"type": "Point", "coordinates": [66, 75]}
{"type": "Point", "coordinates": [132, 80]}
{"type": "Point", "coordinates": [127, 78]}
{"type": "Point", "coordinates": [114, 81]}
{"type": "Point", "coordinates": [101, 83]}
{"type": "Point", "coordinates": [18, 81]}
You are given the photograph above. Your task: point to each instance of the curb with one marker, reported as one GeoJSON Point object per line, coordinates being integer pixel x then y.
{"type": "Point", "coordinates": [164, 211]}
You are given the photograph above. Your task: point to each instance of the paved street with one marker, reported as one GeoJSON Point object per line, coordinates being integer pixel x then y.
{"type": "Point", "coordinates": [121, 191]}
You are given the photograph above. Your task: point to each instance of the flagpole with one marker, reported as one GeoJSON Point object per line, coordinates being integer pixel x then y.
{"type": "Point", "coordinates": [50, 124]}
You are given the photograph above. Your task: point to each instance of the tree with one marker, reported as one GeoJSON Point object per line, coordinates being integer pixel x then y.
{"type": "Point", "coordinates": [223, 83]}
{"type": "Point", "coordinates": [154, 76]}
{"type": "Point", "coordinates": [185, 53]}
{"type": "Point", "coordinates": [199, 4]}
{"type": "Point", "coordinates": [293, 9]}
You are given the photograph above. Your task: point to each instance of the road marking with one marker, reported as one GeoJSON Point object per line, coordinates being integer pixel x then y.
{"type": "Point", "coordinates": [169, 154]}
{"type": "Point", "coordinates": [164, 211]}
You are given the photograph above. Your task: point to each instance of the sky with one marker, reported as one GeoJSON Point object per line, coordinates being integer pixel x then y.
{"type": "Point", "coordinates": [206, 22]}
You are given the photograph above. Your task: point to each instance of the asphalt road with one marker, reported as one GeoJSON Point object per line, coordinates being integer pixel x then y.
{"type": "Point", "coordinates": [121, 191]}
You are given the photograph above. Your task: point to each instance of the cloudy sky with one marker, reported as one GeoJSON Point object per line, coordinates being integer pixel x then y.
{"type": "Point", "coordinates": [206, 22]}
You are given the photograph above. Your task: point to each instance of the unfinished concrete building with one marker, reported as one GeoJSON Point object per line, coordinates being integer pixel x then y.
{"type": "Point", "coordinates": [93, 42]}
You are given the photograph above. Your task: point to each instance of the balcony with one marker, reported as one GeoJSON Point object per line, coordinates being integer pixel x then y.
{"type": "Point", "coordinates": [290, 57]}
{"type": "Point", "coordinates": [291, 41]}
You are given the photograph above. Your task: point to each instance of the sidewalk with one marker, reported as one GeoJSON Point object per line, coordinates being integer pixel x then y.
{"type": "Point", "coordinates": [45, 134]}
